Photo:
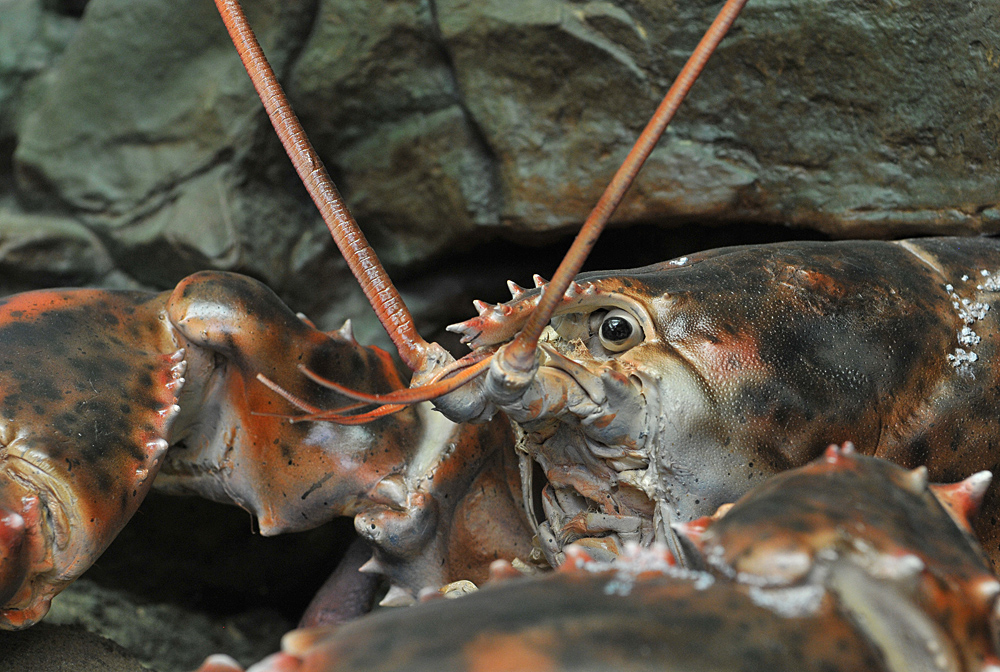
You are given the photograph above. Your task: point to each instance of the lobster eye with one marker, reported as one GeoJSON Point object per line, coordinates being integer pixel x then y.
{"type": "Point", "coordinates": [619, 331]}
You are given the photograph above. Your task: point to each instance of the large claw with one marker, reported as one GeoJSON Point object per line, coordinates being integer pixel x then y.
{"type": "Point", "coordinates": [13, 565]}
{"type": "Point", "coordinates": [85, 410]}
{"type": "Point", "coordinates": [231, 457]}
{"type": "Point", "coordinates": [427, 495]}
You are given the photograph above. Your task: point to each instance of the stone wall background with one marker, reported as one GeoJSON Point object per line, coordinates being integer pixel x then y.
{"type": "Point", "coordinates": [133, 150]}
{"type": "Point", "coordinates": [471, 138]}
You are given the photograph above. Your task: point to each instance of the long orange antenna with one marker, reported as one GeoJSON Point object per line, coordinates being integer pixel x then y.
{"type": "Point", "coordinates": [365, 266]}
{"type": "Point", "coordinates": [521, 353]}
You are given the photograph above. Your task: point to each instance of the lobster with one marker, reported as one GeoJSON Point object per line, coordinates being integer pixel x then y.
{"type": "Point", "coordinates": [651, 396]}
{"type": "Point", "coordinates": [847, 563]}
{"type": "Point", "coordinates": [489, 399]}
{"type": "Point", "coordinates": [85, 434]}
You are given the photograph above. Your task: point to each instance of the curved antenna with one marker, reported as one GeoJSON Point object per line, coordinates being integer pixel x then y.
{"type": "Point", "coordinates": [375, 283]}
{"type": "Point", "coordinates": [392, 312]}
{"type": "Point", "coordinates": [520, 355]}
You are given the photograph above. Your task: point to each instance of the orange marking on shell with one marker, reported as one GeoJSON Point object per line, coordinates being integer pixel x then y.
{"type": "Point", "coordinates": [220, 663]}
{"type": "Point", "coordinates": [604, 420]}
{"type": "Point", "coordinates": [500, 652]}
{"type": "Point", "coordinates": [299, 642]}
{"type": "Point", "coordinates": [577, 525]}
{"type": "Point", "coordinates": [12, 561]}
{"type": "Point", "coordinates": [963, 499]}
{"type": "Point", "coordinates": [576, 558]}
{"type": "Point", "coordinates": [504, 570]}
{"type": "Point", "coordinates": [723, 355]}
{"type": "Point", "coordinates": [694, 530]}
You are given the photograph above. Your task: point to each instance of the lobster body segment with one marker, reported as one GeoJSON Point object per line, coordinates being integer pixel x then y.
{"type": "Point", "coordinates": [665, 391]}
{"type": "Point", "coordinates": [90, 382]}
{"type": "Point", "coordinates": [824, 567]}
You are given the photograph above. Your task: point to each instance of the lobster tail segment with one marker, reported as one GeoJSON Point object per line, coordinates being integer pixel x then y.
{"type": "Point", "coordinates": [13, 567]}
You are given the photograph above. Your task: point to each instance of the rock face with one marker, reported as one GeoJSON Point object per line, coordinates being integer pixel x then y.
{"type": "Point", "coordinates": [53, 648]}
{"type": "Point", "coordinates": [448, 123]}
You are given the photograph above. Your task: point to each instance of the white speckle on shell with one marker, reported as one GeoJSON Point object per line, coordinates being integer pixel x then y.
{"type": "Point", "coordinates": [963, 360]}
{"type": "Point", "coordinates": [968, 337]}
{"type": "Point", "coordinates": [794, 602]}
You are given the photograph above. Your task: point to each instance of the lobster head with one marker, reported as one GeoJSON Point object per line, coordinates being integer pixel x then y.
{"type": "Point", "coordinates": [660, 393]}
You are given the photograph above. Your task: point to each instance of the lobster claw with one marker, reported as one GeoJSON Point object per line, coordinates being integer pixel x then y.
{"type": "Point", "coordinates": [23, 552]}
{"type": "Point", "coordinates": [13, 565]}
{"type": "Point", "coordinates": [76, 462]}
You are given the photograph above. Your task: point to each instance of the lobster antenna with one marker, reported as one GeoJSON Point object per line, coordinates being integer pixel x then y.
{"type": "Point", "coordinates": [361, 259]}
{"type": "Point", "coordinates": [520, 354]}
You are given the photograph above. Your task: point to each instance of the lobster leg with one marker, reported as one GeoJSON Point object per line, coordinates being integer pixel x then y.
{"type": "Point", "coordinates": [347, 594]}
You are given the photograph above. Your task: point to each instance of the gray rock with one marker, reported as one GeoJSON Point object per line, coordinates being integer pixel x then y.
{"type": "Point", "coordinates": [62, 648]}
{"type": "Point", "coordinates": [449, 122]}
{"type": "Point", "coordinates": [163, 637]}
{"type": "Point", "coordinates": [851, 118]}
{"type": "Point", "coordinates": [137, 126]}
{"type": "Point", "coordinates": [30, 38]}
{"type": "Point", "coordinates": [42, 250]}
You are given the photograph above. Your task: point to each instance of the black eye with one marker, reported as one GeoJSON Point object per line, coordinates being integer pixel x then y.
{"type": "Point", "coordinates": [619, 331]}
{"type": "Point", "coordinates": [615, 329]}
